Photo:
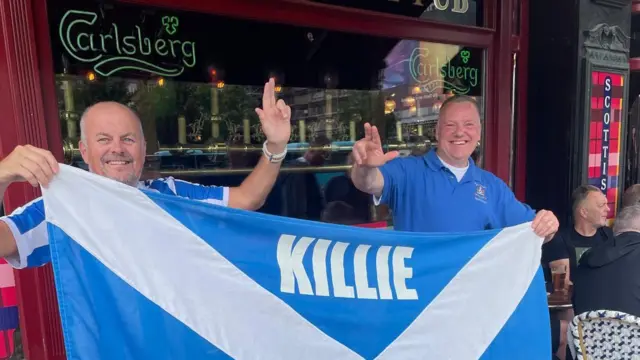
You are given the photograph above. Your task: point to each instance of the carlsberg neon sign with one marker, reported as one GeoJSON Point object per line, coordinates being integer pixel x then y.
{"type": "Point", "coordinates": [112, 51]}
{"type": "Point", "coordinates": [431, 73]}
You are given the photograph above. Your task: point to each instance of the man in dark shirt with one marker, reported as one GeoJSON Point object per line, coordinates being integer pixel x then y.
{"type": "Point", "coordinates": [590, 210]}
{"type": "Point", "coordinates": [606, 278]}
{"type": "Point", "coordinates": [589, 228]}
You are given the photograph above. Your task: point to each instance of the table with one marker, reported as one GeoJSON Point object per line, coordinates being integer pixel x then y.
{"type": "Point", "coordinates": [559, 300]}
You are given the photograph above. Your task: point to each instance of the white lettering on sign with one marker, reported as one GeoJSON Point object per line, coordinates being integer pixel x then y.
{"type": "Point", "coordinates": [89, 38]}
{"type": "Point", "coordinates": [293, 275]}
{"type": "Point", "coordinates": [459, 6]}
{"type": "Point", "coordinates": [606, 124]}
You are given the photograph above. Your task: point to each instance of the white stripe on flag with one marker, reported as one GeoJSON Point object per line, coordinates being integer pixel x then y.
{"type": "Point", "coordinates": [146, 247]}
{"type": "Point", "coordinates": [477, 302]}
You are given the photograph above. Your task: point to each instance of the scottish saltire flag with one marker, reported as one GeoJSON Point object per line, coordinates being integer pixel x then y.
{"type": "Point", "coordinates": [142, 275]}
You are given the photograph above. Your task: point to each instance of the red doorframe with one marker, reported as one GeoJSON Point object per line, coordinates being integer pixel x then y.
{"type": "Point", "coordinates": [27, 97]}
{"type": "Point", "coordinates": [498, 101]}
{"type": "Point", "coordinates": [520, 155]}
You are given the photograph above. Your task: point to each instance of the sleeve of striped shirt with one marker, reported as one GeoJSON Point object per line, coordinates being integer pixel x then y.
{"type": "Point", "coordinates": [218, 195]}
{"type": "Point", "coordinates": [29, 228]}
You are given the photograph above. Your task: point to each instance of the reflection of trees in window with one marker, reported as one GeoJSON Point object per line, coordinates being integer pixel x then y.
{"type": "Point", "coordinates": [238, 103]}
{"type": "Point", "coordinates": [357, 106]}
{"type": "Point", "coordinates": [161, 106]}
{"type": "Point", "coordinates": [87, 93]}
{"type": "Point", "coordinates": [174, 112]}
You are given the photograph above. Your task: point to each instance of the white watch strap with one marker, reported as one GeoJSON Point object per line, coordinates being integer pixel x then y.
{"type": "Point", "coordinates": [274, 158]}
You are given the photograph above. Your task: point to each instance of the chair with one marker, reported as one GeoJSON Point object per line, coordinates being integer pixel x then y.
{"type": "Point", "coordinates": [604, 334]}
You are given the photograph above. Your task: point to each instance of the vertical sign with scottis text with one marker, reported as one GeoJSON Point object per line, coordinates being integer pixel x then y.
{"type": "Point", "coordinates": [605, 135]}
{"type": "Point", "coordinates": [607, 92]}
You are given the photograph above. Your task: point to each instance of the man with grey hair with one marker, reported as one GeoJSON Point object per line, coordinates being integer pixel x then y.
{"type": "Point", "coordinates": [631, 196]}
{"type": "Point", "coordinates": [607, 275]}
{"type": "Point", "coordinates": [589, 210]}
{"type": "Point", "coordinates": [628, 220]}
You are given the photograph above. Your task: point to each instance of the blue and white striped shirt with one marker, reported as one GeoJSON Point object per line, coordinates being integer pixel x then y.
{"type": "Point", "coordinates": [29, 228]}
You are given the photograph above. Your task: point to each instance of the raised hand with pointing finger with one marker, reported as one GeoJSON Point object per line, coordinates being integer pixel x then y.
{"type": "Point", "coordinates": [368, 151]}
{"type": "Point", "coordinates": [275, 119]}
{"type": "Point", "coordinates": [367, 157]}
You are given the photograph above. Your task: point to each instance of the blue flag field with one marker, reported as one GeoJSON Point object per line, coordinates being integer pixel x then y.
{"type": "Point", "coordinates": [143, 275]}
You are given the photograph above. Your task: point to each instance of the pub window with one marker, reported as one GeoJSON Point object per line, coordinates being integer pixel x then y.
{"type": "Point", "coordinates": [195, 92]}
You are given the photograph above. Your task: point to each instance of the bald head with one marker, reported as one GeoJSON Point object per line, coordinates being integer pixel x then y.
{"type": "Point", "coordinates": [108, 108]}
{"type": "Point", "coordinates": [112, 142]}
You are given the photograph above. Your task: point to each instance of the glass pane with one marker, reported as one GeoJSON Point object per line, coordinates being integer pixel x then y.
{"type": "Point", "coordinates": [197, 107]}
{"type": "Point", "coordinates": [461, 12]}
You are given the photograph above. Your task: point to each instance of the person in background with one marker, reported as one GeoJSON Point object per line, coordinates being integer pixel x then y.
{"type": "Point", "coordinates": [588, 229]}
{"type": "Point", "coordinates": [300, 192]}
{"type": "Point", "coordinates": [607, 276]}
{"type": "Point", "coordinates": [631, 196]}
{"type": "Point", "coordinates": [590, 211]}
{"type": "Point", "coordinates": [315, 156]}
{"type": "Point", "coordinates": [339, 212]}
{"type": "Point", "coordinates": [113, 145]}
{"type": "Point", "coordinates": [340, 188]}
{"type": "Point", "coordinates": [443, 191]}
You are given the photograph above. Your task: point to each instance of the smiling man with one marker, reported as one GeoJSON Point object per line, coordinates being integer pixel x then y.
{"type": "Point", "coordinates": [113, 145]}
{"type": "Point", "coordinates": [443, 191]}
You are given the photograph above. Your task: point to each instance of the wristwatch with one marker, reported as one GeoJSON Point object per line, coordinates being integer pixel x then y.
{"type": "Point", "coordinates": [273, 158]}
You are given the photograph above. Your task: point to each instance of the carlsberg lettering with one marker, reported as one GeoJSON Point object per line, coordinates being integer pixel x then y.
{"type": "Point", "coordinates": [435, 73]}
{"type": "Point", "coordinates": [390, 282]}
{"type": "Point", "coordinates": [114, 49]}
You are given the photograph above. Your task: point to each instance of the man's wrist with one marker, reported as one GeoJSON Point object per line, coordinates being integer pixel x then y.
{"type": "Point", "coordinates": [275, 153]}
{"type": "Point", "coordinates": [276, 148]}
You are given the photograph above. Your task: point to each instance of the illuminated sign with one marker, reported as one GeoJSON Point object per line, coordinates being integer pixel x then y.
{"type": "Point", "coordinates": [437, 73]}
{"type": "Point", "coordinates": [457, 6]}
{"type": "Point", "coordinates": [111, 48]}
{"type": "Point", "coordinates": [605, 135]}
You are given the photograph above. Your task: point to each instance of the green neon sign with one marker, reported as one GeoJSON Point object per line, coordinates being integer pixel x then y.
{"type": "Point", "coordinates": [112, 52]}
{"type": "Point", "coordinates": [431, 73]}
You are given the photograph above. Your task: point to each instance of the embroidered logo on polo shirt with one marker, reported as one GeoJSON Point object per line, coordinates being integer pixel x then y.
{"type": "Point", "coordinates": [481, 193]}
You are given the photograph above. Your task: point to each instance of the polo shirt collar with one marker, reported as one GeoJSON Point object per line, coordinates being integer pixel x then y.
{"type": "Point", "coordinates": [433, 162]}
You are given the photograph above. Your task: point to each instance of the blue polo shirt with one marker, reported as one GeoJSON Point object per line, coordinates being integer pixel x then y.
{"type": "Point", "coordinates": [425, 196]}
